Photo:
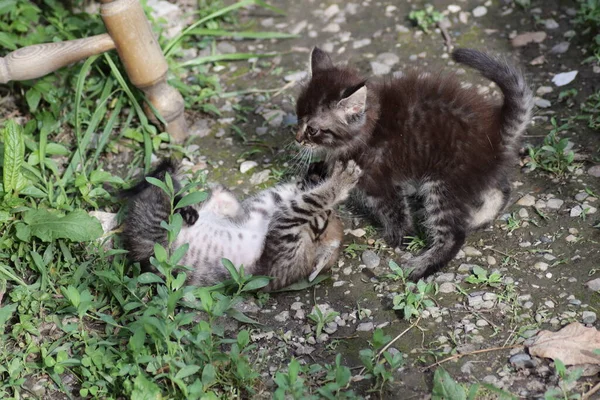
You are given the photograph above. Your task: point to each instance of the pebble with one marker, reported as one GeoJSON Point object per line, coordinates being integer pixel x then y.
{"type": "Point", "coordinates": [479, 11]}
{"type": "Point", "coordinates": [594, 284]}
{"type": "Point", "coordinates": [576, 211]}
{"type": "Point", "coordinates": [471, 251]}
{"type": "Point", "coordinates": [379, 68]}
{"type": "Point", "coordinates": [528, 37]}
{"type": "Point", "coordinates": [527, 200]}
{"type": "Point", "coordinates": [273, 117]}
{"type": "Point", "coordinates": [581, 196]}
{"type": "Point", "coordinates": [260, 177]}
{"type": "Point", "coordinates": [554, 204]}
{"type": "Point", "coordinates": [333, 28]}
{"type": "Point", "coordinates": [357, 44]}
{"type": "Point", "coordinates": [282, 316]}
{"type": "Point", "coordinates": [475, 301]}
{"type": "Point", "coordinates": [226, 48]}
{"type": "Point", "coordinates": [481, 323]}
{"type": "Point", "coordinates": [453, 8]}
{"type": "Point", "coordinates": [541, 266]}
{"type": "Point", "coordinates": [331, 11]}
{"type": "Point", "coordinates": [296, 76]}
{"type": "Point", "coordinates": [542, 103]}
{"type": "Point", "coordinates": [542, 90]}
{"type": "Point", "coordinates": [588, 317]}
{"type": "Point", "coordinates": [370, 259]}
{"type": "Point", "coordinates": [390, 59]}
{"type": "Point", "coordinates": [445, 277]}
{"type": "Point", "coordinates": [523, 213]}
{"type": "Point", "coordinates": [261, 130]}
{"type": "Point", "coordinates": [564, 78]}
{"type": "Point", "coordinates": [551, 24]}
{"type": "Point", "coordinates": [521, 361]}
{"type": "Point", "coordinates": [491, 260]}
{"type": "Point", "coordinates": [490, 296]}
{"type": "Point", "coordinates": [594, 171]}
{"type": "Point", "coordinates": [247, 166]}
{"type": "Point", "coordinates": [466, 267]}
{"type": "Point", "coordinates": [571, 239]}
{"type": "Point", "coordinates": [365, 327]}
{"type": "Point", "coordinates": [560, 48]}
{"type": "Point", "coordinates": [549, 304]}
{"type": "Point", "coordinates": [447, 287]}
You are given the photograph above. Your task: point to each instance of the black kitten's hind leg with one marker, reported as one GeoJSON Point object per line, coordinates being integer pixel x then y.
{"type": "Point", "coordinates": [189, 214]}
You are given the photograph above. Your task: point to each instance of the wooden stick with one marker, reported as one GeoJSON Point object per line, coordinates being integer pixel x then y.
{"type": "Point", "coordinates": [144, 62]}
{"type": "Point", "coordinates": [593, 390]}
{"type": "Point", "coordinates": [35, 61]}
{"type": "Point", "coordinates": [457, 356]}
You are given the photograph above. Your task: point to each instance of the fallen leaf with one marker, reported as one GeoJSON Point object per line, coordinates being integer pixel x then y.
{"type": "Point", "coordinates": [573, 345]}
{"type": "Point", "coordinates": [564, 78]}
{"type": "Point", "coordinates": [356, 232]}
{"type": "Point", "coordinates": [528, 37]}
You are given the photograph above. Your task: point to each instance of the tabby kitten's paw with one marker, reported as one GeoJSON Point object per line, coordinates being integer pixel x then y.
{"type": "Point", "coordinates": [189, 214]}
{"type": "Point", "coordinates": [347, 175]}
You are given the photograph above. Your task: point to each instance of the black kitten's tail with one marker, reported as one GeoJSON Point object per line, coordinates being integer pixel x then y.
{"type": "Point", "coordinates": [148, 206]}
{"type": "Point", "coordinates": [518, 98]}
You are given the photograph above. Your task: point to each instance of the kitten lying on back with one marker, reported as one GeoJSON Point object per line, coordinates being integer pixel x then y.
{"type": "Point", "coordinates": [287, 232]}
{"type": "Point", "coordinates": [423, 133]}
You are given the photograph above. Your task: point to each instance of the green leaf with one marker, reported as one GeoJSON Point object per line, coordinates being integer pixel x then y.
{"type": "Point", "coordinates": [33, 97]}
{"type": "Point", "coordinates": [209, 376]}
{"type": "Point", "coordinates": [480, 272]}
{"type": "Point", "coordinates": [143, 389]}
{"type": "Point", "coordinates": [256, 283]}
{"type": "Point", "coordinates": [149, 277]}
{"type": "Point", "coordinates": [231, 268]}
{"type": "Point", "coordinates": [160, 252]}
{"type": "Point", "coordinates": [446, 388]}
{"type": "Point", "coordinates": [179, 253]}
{"type": "Point", "coordinates": [76, 226]}
{"type": "Point", "coordinates": [187, 371]}
{"type": "Point", "coordinates": [14, 153]}
{"type": "Point", "coordinates": [6, 313]}
{"type": "Point", "coordinates": [191, 198]}
{"type": "Point", "coordinates": [303, 284]}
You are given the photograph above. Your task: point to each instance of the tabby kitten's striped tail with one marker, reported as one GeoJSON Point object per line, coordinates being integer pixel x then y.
{"type": "Point", "coordinates": [518, 98]}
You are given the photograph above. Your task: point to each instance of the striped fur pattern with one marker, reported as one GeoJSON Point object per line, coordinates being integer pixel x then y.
{"type": "Point", "coordinates": [287, 232]}
{"type": "Point", "coordinates": [420, 138]}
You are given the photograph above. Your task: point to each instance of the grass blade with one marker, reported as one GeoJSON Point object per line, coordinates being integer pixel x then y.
{"type": "Point", "coordinates": [225, 57]}
{"type": "Point", "coordinates": [242, 34]}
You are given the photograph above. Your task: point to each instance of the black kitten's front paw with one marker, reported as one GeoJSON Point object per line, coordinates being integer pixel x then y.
{"type": "Point", "coordinates": [189, 215]}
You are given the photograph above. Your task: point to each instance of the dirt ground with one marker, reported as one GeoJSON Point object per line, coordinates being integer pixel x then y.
{"type": "Point", "coordinates": [544, 248]}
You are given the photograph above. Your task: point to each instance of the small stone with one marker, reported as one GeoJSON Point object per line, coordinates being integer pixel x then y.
{"type": "Point", "coordinates": [390, 59]}
{"type": "Point", "coordinates": [331, 328]}
{"type": "Point", "coordinates": [521, 361]}
{"type": "Point", "coordinates": [445, 277]}
{"type": "Point", "coordinates": [475, 301]}
{"type": "Point", "coordinates": [355, 232]}
{"type": "Point", "coordinates": [542, 90]}
{"type": "Point", "coordinates": [323, 337]}
{"type": "Point", "coordinates": [380, 68]}
{"type": "Point", "coordinates": [528, 37]}
{"type": "Point", "coordinates": [594, 284]}
{"type": "Point", "coordinates": [541, 103]}
{"type": "Point", "coordinates": [549, 304]}
{"type": "Point", "coordinates": [260, 177]}
{"type": "Point", "coordinates": [447, 287]}
{"type": "Point", "coordinates": [273, 117]}
{"type": "Point", "coordinates": [481, 323]}
{"type": "Point", "coordinates": [282, 316]}
{"type": "Point", "coordinates": [296, 76]}
{"type": "Point", "coordinates": [589, 209]}
{"type": "Point", "coordinates": [576, 211]}
{"type": "Point", "coordinates": [588, 317]}
{"type": "Point", "coordinates": [525, 244]}
{"type": "Point", "coordinates": [463, 17]}
{"type": "Point", "coordinates": [560, 48]}
{"type": "Point", "coordinates": [226, 48]}
{"type": "Point", "coordinates": [479, 11]}
{"type": "Point", "coordinates": [581, 196]}
{"type": "Point", "coordinates": [571, 239]}
{"type": "Point", "coordinates": [538, 60]}
{"type": "Point", "coordinates": [575, 302]}
{"type": "Point", "coordinates": [523, 213]}
{"type": "Point", "coordinates": [466, 267]}
{"type": "Point", "coordinates": [357, 44]}
{"type": "Point", "coordinates": [541, 266]}
{"type": "Point", "coordinates": [564, 78]}
{"type": "Point", "coordinates": [490, 296]}
{"type": "Point", "coordinates": [247, 166]}
{"type": "Point", "coordinates": [554, 204]}
{"type": "Point", "coordinates": [471, 251]}
{"type": "Point", "coordinates": [311, 340]}
{"type": "Point", "coordinates": [453, 8]}
{"type": "Point", "coordinates": [201, 128]}
{"type": "Point", "coordinates": [527, 200]}
{"type": "Point", "coordinates": [365, 327]}
{"type": "Point", "coordinates": [261, 130]}
{"type": "Point", "coordinates": [339, 283]}
{"type": "Point", "coordinates": [551, 24]}
{"type": "Point", "coordinates": [370, 259]}
{"type": "Point", "coordinates": [491, 260]}
{"type": "Point", "coordinates": [296, 306]}
{"type": "Point", "coordinates": [594, 171]}
{"type": "Point", "coordinates": [333, 28]}
{"type": "Point", "coordinates": [331, 11]}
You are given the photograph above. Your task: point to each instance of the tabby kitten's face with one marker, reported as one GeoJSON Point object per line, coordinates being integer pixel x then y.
{"type": "Point", "coordinates": [331, 108]}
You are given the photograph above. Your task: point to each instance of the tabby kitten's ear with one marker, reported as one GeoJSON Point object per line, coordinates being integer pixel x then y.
{"type": "Point", "coordinates": [354, 101]}
{"type": "Point", "coordinates": [319, 60]}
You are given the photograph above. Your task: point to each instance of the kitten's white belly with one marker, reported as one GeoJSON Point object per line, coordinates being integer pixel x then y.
{"type": "Point", "coordinates": [211, 240]}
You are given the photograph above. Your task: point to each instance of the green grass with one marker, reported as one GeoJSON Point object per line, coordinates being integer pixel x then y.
{"type": "Point", "coordinates": [426, 18]}
{"type": "Point", "coordinates": [588, 20]}
{"type": "Point", "coordinates": [552, 156]}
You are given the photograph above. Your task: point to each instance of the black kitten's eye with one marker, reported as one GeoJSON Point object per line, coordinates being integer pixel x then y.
{"type": "Point", "coordinates": [311, 131]}
{"type": "Point", "coordinates": [327, 131]}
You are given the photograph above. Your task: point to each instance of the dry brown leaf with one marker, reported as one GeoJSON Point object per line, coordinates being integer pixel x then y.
{"type": "Point", "coordinates": [528, 37]}
{"type": "Point", "coordinates": [573, 345]}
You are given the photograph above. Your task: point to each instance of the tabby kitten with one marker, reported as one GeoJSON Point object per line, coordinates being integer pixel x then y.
{"type": "Point", "coordinates": [287, 232]}
{"type": "Point", "coordinates": [420, 135]}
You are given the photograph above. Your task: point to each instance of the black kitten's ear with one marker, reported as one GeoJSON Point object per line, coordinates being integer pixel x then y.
{"type": "Point", "coordinates": [319, 60]}
{"type": "Point", "coordinates": [354, 101]}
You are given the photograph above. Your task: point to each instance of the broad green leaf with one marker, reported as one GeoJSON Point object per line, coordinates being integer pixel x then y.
{"type": "Point", "coordinates": [160, 252]}
{"type": "Point", "coordinates": [208, 376]}
{"type": "Point", "coordinates": [149, 277]}
{"type": "Point", "coordinates": [14, 153]}
{"type": "Point", "coordinates": [33, 97]}
{"type": "Point", "coordinates": [256, 283]}
{"type": "Point", "coordinates": [76, 226]}
{"type": "Point", "coordinates": [446, 388]}
{"type": "Point", "coordinates": [6, 313]}
{"type": "Point", "coordinates": [191, 198]}
{"type": "Point", "coordinates": [143, 389]}
{"type": "Point", "coordinates": [303, 284]}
